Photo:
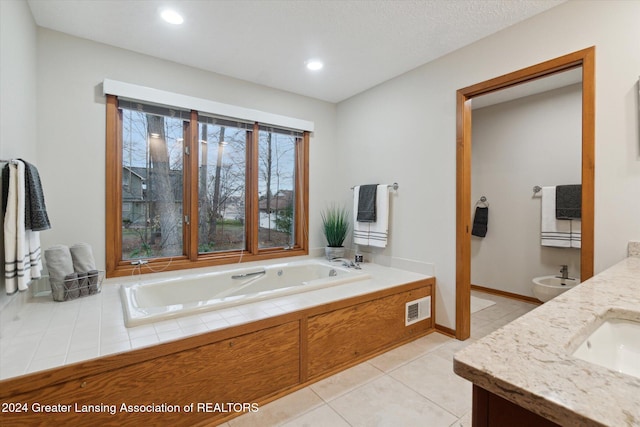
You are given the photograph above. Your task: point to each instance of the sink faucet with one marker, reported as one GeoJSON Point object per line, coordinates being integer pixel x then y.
{"type": "Point", "coordinates": [564, 271]}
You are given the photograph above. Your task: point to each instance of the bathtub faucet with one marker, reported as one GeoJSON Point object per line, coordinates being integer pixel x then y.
{"type": "Point", "coordinates": [346, 263]}
{"type": "Point", "coordinates": [242, 276]}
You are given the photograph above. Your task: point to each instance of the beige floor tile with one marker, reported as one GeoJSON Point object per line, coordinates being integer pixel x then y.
{"type": "Point", "coordinates": [345, 381]}
{"type": "Point", "coordinates": [448, 350]}
{"type": "Point", "coordinates": [432, 376]}
{"type": "Point", "coordinates": [386, 402]}
{"type": "Point", "coordinates": [464, 421]}
{"type": "Point", "coordinates": [397, 357]}
{"type": "Point", "coordinates": [323, 416]}
{"type": "Point", "coordinates": [280, 411]}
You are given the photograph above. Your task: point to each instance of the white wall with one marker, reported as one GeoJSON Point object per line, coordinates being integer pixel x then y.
{"type": "Point", "coordinates": [530, 141]}
{"type": "Point", "coordinates": [71, 122]}
{"type": "Point", "coordinates": [17, 77]}
{"type": "Point", "coordinates": [18, 120]}
{"type": "Point", "coordinates": [404, 130]}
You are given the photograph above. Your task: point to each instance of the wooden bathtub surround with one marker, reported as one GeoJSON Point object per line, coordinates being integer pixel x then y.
{"type": "Point", "coordinates": [252, 363]}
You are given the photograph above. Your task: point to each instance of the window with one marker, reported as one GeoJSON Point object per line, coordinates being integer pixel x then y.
{"type": "Point", "coordinates": [188, 189]}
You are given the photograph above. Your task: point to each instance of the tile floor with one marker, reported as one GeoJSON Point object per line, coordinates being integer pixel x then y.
{"type": "Point", "coordinates": [412, 385]}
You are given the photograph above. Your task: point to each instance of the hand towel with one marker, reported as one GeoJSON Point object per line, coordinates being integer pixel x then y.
{"type": "Point", "coordinates": [576, 233]}
{"type": "Point", "coordinates": [83, 283]}
{"type": "Point", "coordinates": [553, 232]}
{"type": "Point", "coordinates": [569, 201]}
{"type": "Point", "coordinates": [480, 221]}
{"type": "Point", "coordinates": [22, 246]}
{"type": "Point", "coordinates": [60, 266]}
{"type": "Point", "coordinates": [94, 281]}
{"type": "Point", "coordinates": [360, 229]}
{"type": "Point", "coordinates": [71, 287]}
{"type": "Point", "coordinates": [367, 203]}
{"type": "Point", "coordinates": [82, 257]}
{"type": "Point", "coordinates": [373, 233]}
{"type": "Point", "coordinates": [36, 217]}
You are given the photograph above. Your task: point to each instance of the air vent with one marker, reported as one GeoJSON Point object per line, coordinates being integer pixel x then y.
{"type": "Point", "coordinates": [417, 310]}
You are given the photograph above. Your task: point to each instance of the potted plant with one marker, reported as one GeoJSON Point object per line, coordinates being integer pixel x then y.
{"type": "Point", "coordinates": [335, 225]}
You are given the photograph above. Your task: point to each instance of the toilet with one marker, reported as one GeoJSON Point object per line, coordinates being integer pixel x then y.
{"type": "Point", "coordinates": [549, 287]}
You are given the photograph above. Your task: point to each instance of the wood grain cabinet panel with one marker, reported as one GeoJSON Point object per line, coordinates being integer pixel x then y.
{"type": "Point", "coordinates": [245, 364]}
{"type": "Point", "coordinates": [243, 369]}
{"type": "Point", "coordinates": [338, 337]}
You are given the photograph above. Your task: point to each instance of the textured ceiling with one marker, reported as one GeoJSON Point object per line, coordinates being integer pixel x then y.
{"type": "Point", "coordinates": [362, 42]}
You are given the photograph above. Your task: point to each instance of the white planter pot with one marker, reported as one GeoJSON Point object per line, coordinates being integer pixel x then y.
{"type": "Point", "coordinates": [334, 252]}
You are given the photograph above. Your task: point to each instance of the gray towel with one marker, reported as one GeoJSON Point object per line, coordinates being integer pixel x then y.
{"type": "Point", "coordinates": [60, 266]}
{"type": "Point", "coordinates": [480, 221]}
{"type": "Point", "coordinates": [367, 203]}
{"type": "Point", "coordinates": [82, 256]}
{"type": "Point", "coordinates": [59, 263]}
{"type": "Point", "coordinates": [569, 201]}
{"type": "Point", "coordinates": [35, 211]}
{"type": "Point", "coordinates": [94, 281]}
{"type": "Point", "coordinates": [83, 284]}
{"type": "Point", "coordinates": [71, 287]}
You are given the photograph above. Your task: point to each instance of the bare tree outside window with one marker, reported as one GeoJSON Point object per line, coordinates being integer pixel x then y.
{"type": "Point", "coordinates": [221, 189]}
{"type": "Point", "coordinates": [188, 188]}
{"type": "Point", "coordinates": [276, 184]}
{"type": "Point", "coordinates": [152, 172]}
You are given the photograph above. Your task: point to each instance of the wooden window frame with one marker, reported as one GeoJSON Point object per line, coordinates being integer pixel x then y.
{"type": "Point", "coordinates": [116, 266]}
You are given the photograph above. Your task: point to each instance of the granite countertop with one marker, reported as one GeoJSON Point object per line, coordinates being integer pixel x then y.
{"type": "Point", "coordinates": [529, 362]}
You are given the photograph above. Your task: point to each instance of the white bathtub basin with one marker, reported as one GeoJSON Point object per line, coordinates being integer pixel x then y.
{"type": "Point", "coordinates": [160, 299]}
{"type": "Point", "coordinates": [615, 345]}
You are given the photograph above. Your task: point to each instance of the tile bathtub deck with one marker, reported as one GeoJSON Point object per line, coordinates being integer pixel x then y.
{"type": "Point", "coordinates": [411, 385]}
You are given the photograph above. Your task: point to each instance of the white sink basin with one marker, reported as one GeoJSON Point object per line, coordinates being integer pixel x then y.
{"type": "Point", "coordinates": [614, 345]}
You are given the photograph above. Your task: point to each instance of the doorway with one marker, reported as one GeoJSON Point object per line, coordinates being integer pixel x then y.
{"type": "Point", "coordinates": [583, 59]}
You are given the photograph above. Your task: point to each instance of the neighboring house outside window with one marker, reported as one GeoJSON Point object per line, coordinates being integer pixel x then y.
{"type": "Point", "coordinates": [186, 189]}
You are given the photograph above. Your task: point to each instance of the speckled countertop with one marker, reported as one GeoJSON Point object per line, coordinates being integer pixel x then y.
{"type": "Point", "coordinates": [529, 361]}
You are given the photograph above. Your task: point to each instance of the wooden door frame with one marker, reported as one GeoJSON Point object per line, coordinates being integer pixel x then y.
{"type": "Point", "coordinates": [583, 58]}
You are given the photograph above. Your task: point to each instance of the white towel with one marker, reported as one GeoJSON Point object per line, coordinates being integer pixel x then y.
{"type": "Point", "coordinates": [553, 232]}
{"type": "Point", "coordinates": [372, 233]}
{"type": "Point", "coordinates": [576, 233]}
{"type": "Point", "coordinates": [22, 247]}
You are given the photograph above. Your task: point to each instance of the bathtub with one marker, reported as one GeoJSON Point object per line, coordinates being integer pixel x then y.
{"type": "Point", "coordinates": [160, 299]}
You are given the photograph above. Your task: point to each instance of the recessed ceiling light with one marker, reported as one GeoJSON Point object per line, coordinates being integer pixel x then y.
{"type": "Point", "coordinates": [172, 17]}
{"type": "Point", "coordinates": [314, 65]}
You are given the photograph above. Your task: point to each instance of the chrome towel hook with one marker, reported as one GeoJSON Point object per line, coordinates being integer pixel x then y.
{"type": "Point", "coordinates": [482, 202]}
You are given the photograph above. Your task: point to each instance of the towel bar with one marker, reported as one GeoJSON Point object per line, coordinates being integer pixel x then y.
{"type": "Point", "coordinates": [394, 186]}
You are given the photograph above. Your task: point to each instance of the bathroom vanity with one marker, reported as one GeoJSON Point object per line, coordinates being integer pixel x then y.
{"type": "Point", "coordinates": [531, 371]}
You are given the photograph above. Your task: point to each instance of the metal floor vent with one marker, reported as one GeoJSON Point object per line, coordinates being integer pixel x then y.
{"type": "Point", "coordinates": [417, 310]}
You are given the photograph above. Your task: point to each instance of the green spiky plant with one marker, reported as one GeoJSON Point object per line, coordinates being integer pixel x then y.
{"type": "Point", "coordinates": [335, 224]}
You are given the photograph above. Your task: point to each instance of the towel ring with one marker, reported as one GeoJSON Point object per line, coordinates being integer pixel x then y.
{"type": "Point", "coordinates": [482, 201]}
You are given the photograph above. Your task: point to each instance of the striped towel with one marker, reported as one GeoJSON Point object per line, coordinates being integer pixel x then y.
{"type": "Point", "coordinates": [21, 246]}
{"type": "Point", "coordinates": [373, 233]}
{"type": "Point", "coordinates": [553, 232]}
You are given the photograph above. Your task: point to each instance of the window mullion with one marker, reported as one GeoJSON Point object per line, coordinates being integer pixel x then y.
{"type": "Point", "coordinates": [191, 187]}
{"type": "Point", "coordinates": [301, 186]}
{"type": "Point", "coordinates": [114, 191]}
{"type": "Point", "coordinates": [253, 226]}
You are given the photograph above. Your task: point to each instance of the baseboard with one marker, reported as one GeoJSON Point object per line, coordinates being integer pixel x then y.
{"type": "Point", "coordinates": [446, 331]}
{"type": "Point", "coordinates": [504, 294]}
